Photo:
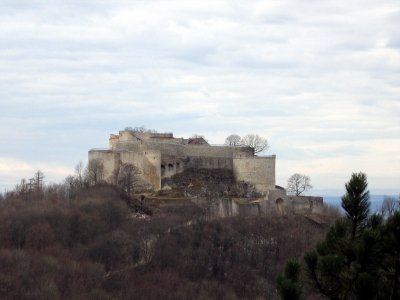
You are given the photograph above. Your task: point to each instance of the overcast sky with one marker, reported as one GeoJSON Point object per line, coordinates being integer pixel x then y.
{"type": "Point", "coordinates": [319, 79]}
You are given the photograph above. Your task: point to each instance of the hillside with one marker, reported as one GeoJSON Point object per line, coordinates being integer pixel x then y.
{"type": "Point", "coordinates": [103, 245]}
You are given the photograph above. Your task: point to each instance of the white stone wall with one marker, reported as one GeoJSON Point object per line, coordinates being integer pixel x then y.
{"type": "Point", "coordinates": [110, 160]}
{"type": "Point", "coordinates": [259, 171]}
{"type": "Point", "coordinates": [152, 168]}
{"type": "Point", "coordinates": [180, 150]}
{"type": "Point", "coordinates": [147, 155]}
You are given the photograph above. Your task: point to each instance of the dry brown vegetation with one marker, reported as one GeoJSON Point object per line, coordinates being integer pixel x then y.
{"type": "Point", "coordinates": [76, 242]}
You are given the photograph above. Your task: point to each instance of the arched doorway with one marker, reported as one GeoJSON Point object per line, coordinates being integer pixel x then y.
{"type": "Point", "coordinates": [279, 206]}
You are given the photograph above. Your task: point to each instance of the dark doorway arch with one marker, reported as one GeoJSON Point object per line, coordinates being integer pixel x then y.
{"type": "Point", "coordinates": [279, 206]}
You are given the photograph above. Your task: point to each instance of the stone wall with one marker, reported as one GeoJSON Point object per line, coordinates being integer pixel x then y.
{"type": "Point", "coordinates": [306, 204]}
{"type": "Point", "coordinates": [180, 150]}
{"type": "Point", "coordinates": [110, 160]}
{"type": "Point", "coordinates": [134, 158]}
{"type": "Point", "coordinates": [217, 151]}
{"type": "Point", "coordinates": [126, 136]}
{"type": "Point", "coordinates": [176, 158]}
{"type": "Point", "coordinates": [259, 171]}
{"type": "Point", "coordinates": [279, 202]}
{"type": "Point", "coordinates": [250, 209]}
{"type": "Point", "coordinates": [161, 155]}
{"type": "Point", "coordinates": [170, 167]}
{"type": "Point", "coordinates": [224, 207]}
{"type": "Point", "coordinates": [126, 145]}
{"type": "Point", "coordinates": [209, 163]}
{"type": "Point", "coordinates": [148, 162]}
{"type": "Point", "coordinates": [292, 205]}
{"type": "Point", "coordinates": [152, 168]}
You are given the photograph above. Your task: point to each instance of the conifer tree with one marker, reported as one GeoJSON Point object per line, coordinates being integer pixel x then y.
{"type": "Point", "coordinates": [360, 255]}
{"type": "Point", "coordinates": [356, 202]}
{"type": "Point", "coordinates": [345, 264]}
{"type": "Point", "coordinates": [288, 282]}
{"type": "Point", "coordinates": [391, 260]}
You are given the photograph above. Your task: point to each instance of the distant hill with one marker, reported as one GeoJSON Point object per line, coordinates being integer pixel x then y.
{"type": "Point", "coordinates": [376, 201]}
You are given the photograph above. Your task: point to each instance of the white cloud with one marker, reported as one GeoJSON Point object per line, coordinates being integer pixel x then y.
{"type": "Point", "coordinates": [319, 79]}
{"type": "Point", "coordinates": [13, 170]}
{"type": "Point", "coordinates": [7, 163]}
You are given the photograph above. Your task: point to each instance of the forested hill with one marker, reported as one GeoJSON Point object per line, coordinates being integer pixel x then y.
{"type": "Point", "coordinates": [100, 244]}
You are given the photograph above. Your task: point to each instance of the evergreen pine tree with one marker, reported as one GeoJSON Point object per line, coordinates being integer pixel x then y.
{"type": "Point", "coordinates": [391, 260]}
{"type": "Point", "coordinates": [345, 265]}
{"type": "Point", "coordinates": [356, 202]}
{"type": "Point", "coordinates": [360, 255]}
{"type": "Point", "coordinates": [288, 282]}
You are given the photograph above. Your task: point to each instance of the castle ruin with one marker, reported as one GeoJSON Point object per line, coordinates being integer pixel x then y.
{"type": "Point", "coordinates": [161, 155]}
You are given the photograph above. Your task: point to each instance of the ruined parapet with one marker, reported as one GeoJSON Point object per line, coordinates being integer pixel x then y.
{"type": "Point", "coordinates": [279, 202]}
{"type": "Point", "coordinates": [306, 205]}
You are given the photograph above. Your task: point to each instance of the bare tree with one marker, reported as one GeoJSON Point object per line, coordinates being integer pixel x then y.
{"type": "Point", "coordinates": [70, 181]}
{"type": "Point", "coordinates": [197, 136]}
{"type": "Point", "coordinates": [95, 171]}
{"type": "Point", "coordinates": [128, 177]}
{"type": "Point", "coordinates": [389, 206]}
{"type": "Point", "coordinates": [22, 188]}
{"type": "Point", "coordinates": [79, 172]}
{"type": "Point", "coordinates": [297, 184]}
{"type": "Point", "coordinates": [256, 142]}
{"type": "Point", "coordinates": [31, 185]}
{"type": "Point", "coordinates": [71, 186]}
{"type": "Point", "coordinates": [38, 180]}
{"type": "Point", "coordinates": [233, 140]}
{"type": "Point", "coordinates": [332, 211]}
{"type": "Point", "coordinates": [140, 129]}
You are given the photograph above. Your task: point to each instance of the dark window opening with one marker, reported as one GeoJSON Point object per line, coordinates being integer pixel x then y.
{"type": "Point", "coordinates": [162, 169]}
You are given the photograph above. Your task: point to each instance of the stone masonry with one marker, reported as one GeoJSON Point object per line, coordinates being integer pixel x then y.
{"type": "Point", "coordinates": [161, 155]}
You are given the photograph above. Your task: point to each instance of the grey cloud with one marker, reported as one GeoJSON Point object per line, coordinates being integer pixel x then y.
{"type": "Point", "coordinates": [309, 154]}
{"type": "Point", "coordinates": [394, 42]}
{"type": "Point", "coordinates": [301, 73]}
